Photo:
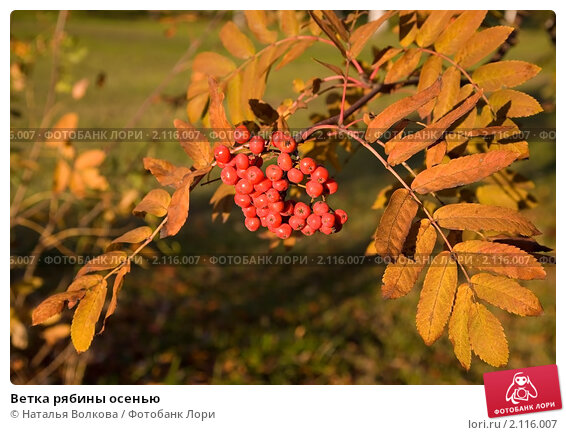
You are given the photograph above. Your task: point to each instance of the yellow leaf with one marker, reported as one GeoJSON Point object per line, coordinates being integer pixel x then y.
{"type": "Point", "coordinates": [481, 44]}
{"type": "Point", "coordinates": [234, 99]}
{"type": "Point", "coordinates": [110, 260]}
{"type": "Point", "coordinates": [257, 22]}
{"type": "Point", "coordinates": [506, 294]}
{"type": "Point", "coordinates": [155, 202]}
{"type": "Point", "coordinates": [64, 127]}
{"type": "Point", "coordinates": [431, 28]}
{"type": "Point", "coordinates": [461, 171]}
{"type": "Point", "coordinates": [436, 298]}
{"type": "Point", "coordinates": [296, 50]}
{"type": "Point", "coordinates": [408, 27]}
{"type": "Point", "coordinates": [195, 144]}
{"type": "Point", "coordinates": [403, 67]}
{"type": "Point", "coordinates": [495, 195]}
{"type": "Point", "coordinates": [400, 277]}
{"type": "Point", "coordinates": [399, 110]}
{"type": "Point", "coordinates": [86, 316]}
{"type": "Point", "coordinates": [137, 235]}
{"type": "Point", "coordinates": [448, 96]}
{"type": "Point", "coordinates": [361, 35]}
{"type": "Point", "coordinates": [500, 259]}
{"type": "Point", "coordinates": [478, 217]}
{"type": "Point", "coordinates": [288, 22]}
{"type": "Point", "coordinates": [504, 74]}
{"type": "Point", "coordinates": [61, 176]}
{"type": "Point", "coordinates": [430, 72]}
{"type": "Point", "coordinates": [213, 64]}
{"type": "Point", "coordinates": [235, 41]}
{"type": "Point", "coordinates": [435, 154]}
{"type": "Point", "coordinates": [459, 32]}
{"type": "Point", "coordinates": [458, 331]}
{"type": "Point", "coordinates": [89, 159]}
{"type": "Point", "coordinates": [487, 336]}
{"type": "Point", "coordinates": [514, 104]}
{"type": "Point", "coordinates": [395, 223]}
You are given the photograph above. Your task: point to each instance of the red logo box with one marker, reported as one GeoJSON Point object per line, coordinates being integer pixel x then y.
{"type": "Point", "coordinates": [532, 389]}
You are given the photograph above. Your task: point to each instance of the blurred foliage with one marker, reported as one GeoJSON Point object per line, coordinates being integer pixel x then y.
{"type": "Point", "coordinates": [196, 324]}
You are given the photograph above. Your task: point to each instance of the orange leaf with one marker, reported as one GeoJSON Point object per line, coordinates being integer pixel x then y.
{"type": "Point", "coordinates": [500, 259]}
{"type": "Point", "coordinates": [178, 210]}
{"type": "Point", "coordinates": [400, 277]}
{"type": "Point", "coordinates": [218, 120]}
{"type": "Point", "coordinates": [195, 144]}
{"type": "Point", "coordinates": [288, 22]}
{"type": "Point", "coordinates": [399, 110]}
{"type": "Point", "coordinates": [436, 298]}
{"type": "Point", "coordinates": [155, 202]}
{"type": "Point", "coordinates": [413, 143]}
{"type": "Point", "coordinates": [461, 171]}
{"type": "Point", "coordinates": [118, 281]}
{"type": "Point", "coordinates": [136, 235]}
{"type": "Point", "coordinates": [458, 331]}
{"type": "Point", "coordinates": [431, 28]}
{"type": "Point", "coordinates": [435, 154]}
{"type": "Point", "coordinates": [478, 217]}
{"type": "Point", "coordinates": [64, 127]}
{"type": "Point", "coordinates": [167, 174]}
{"type": "Point", "coordinates": [430, 72]}
{"type": "Point", "coordinates": [90, 159]}
{"type": "Point", "coordinates": [296, 50]}
{"type": "Point", "coordinates": [395, 223]}
{"type": "Point", "coordinates": [448, 96]}
{"type": "Point", "coordinates": [506, 294]}
{"type": "Point", "coordinates": [54, 305]}
{"type": "Point", "coordinates": [487, 336]}
{"type": "Point", "coordinates": [213, 64]}
{"type": "Point", "coordinates": [61, 176]}
{"type": "Point", "coordinates": [362, 34]}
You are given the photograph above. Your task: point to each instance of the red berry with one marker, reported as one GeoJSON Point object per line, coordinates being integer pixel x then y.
{"type": "Point", "coordinates": [314, 189]}
{"type": "Point", "coordinates": [249, 211]}
{"type": "Point", "coordinates": [277, 138]}
{"type": "Point", "coordinates": [284, 161]}
{"type": "Point", "coordinates": [262, 212]}
{"type": "Point", "coordinates": [261, 201]}
{"type": "Point", "coordinates": [331, 186]}
{"type": "Point", "coordinates": [328, 220]}
{"type": "Point", "coordinates": [289, 145]}
{"type": "Point", "coordinates": [241, 161]}
{"type": "Point", "coordinates": [320, 174]}
{"type": "Point", "coordinates": [308, 231]}
{"type": "Point", "coordinates": [257, 144]}
{"type": "Point", "coordinates": [274, 172]}
{"type": "Point", "coordinates": [288, 208]}
{"type": "Point", "coordinates": [274, 219]}
{"type": "Point", "coordinates": [273, 195]}
{"type": "Point", "coordinates": [263, 221]}
{"type": "Point", "coordinates": [254, 174]}
{"type": "Point", "coordinates": [314, 221]}
{"type": "Point", "coordinates": [320, 207]}
{"type": "Point", "coordinates": [255, 194]}
{"type": "Point", "coordinates": [294, 175]}
{"type": "Point", "coordinates": [241, 134]}
{"type": "Point", "coordinates": [302, 210]}
{"type": "Point", "coordinates": [252, 223]}
{"type": "Point", "coordinates": [281, 185]}
{"type": "Point", "coordinates": [241, 173]}
{"type": "Point", "coordinates": [229, 176]}
{"type": "Point", "coordinates": [326, 230]}
{"type": "Point", "coordinates": [297, 223]}
{"type": "Point", "coordinates": [276, 207]}
{"type": "Point", "coordinates": [341, 216]}
{"type": "Point", "coordinates": [307, 165]}
{"type": "Point", "coordinates": [222, 154]}
{"type": "Point", "coordinates": [242, 200]}
{"type": "Point", "coordinates": [244, 186]}
{"type": "Point", "coordinates": [263, 186]}
{"type": "Point", "coordinates": [283, 231]}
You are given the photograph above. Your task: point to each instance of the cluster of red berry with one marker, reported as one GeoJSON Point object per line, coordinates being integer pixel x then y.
{"type": "Point", "coordinates": [261, 195]}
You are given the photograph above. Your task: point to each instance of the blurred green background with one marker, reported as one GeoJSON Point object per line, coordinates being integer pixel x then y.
{"type": "Point", "coordinates": [274, 325]}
